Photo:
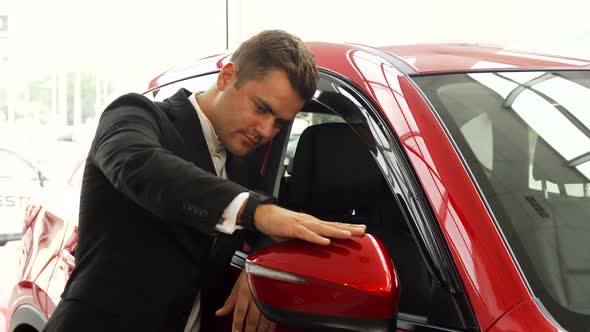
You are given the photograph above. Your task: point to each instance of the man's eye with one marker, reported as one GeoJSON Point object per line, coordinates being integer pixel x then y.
{"type": "Point", "coordinates": [260, 110]}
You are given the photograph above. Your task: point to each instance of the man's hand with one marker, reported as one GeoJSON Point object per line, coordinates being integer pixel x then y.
{"type": "Point", "coordinates": [278, 222]}
{"type": "Point", "coordinates": [241, 298]}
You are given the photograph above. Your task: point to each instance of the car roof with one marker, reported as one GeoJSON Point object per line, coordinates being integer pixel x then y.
{"type": "Point", "coordinates": [436, 58]}
{"type": "Point", "coordinates": [410, 59]}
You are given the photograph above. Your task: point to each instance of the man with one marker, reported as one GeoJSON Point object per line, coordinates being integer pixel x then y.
{"type": "Point", "coordinates": [156, 194]}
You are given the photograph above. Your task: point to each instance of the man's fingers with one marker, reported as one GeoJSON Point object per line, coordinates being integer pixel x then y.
{"type": "Point", "coordinates": [355, 229]}
{"type": "Point", "coordinates": [254, 317]}
{"type": "Point", "coordinates": [275, 221]}
{"type": "Point", "coordinates": [239, 315]}
{"type": "Point", "coordinates": [229, 304]}
{"type": "Point", "coordinates": [326, 230]}
{"type": "Point", "coordinates": [265, 325]}
{"type": "Point", "coordinates": [358, 231]}
{"type": "Point", "coordinates": [226, 309]}
{"type": "Point", "coordinates": [304, 233]}
{"type": "Point", "coordinates": [242, 303]}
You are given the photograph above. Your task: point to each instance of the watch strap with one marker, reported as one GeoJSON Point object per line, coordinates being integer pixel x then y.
{"type": "Point", "coordinates": [254, 199]}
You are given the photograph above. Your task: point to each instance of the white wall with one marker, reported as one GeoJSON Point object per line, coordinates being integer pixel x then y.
{"type": "Point", "coordinates": [67, 32]}
{"type": "Point", "coordinates": [553, 26]}
{"type": "Point", "coordinates": [130, 41]}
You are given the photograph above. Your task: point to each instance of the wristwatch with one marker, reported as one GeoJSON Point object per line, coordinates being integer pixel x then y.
{"type": "Point", "coordinates": [247, 216]}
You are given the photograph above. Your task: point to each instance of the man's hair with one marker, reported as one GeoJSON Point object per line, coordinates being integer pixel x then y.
{"type": "Point", "coordinates": [277, 49]}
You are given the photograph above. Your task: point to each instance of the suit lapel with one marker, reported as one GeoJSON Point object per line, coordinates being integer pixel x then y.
{"type": "Point", "coordinates": [185, 119]}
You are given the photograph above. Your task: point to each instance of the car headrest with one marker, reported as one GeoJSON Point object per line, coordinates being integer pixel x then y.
{"type": "Point", "coordinates": [333, 171]}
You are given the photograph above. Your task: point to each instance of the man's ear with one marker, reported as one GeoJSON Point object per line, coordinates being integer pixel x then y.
{"type": "Point", "coordinates": [227, 76]}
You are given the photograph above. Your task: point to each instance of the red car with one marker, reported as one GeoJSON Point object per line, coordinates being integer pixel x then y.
{"type": "Point", "coordinates": [470, 165]}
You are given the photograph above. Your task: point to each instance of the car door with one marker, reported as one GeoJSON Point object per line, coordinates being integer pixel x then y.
{"type": "Point", "coordinates": [431, 295]}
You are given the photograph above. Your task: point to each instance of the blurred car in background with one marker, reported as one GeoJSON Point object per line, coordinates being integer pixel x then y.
{"type": "Point", "coordinates": [20, 179]}
{"type": "Point", "coordinates": [470, 166]}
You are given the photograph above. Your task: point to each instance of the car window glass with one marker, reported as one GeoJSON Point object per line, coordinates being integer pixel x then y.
{"type": "Point", "coordinates": [525, 136]}
{"type": "Point", "coordinates": [302, 121]}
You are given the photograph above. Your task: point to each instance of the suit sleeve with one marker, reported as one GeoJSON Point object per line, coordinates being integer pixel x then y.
{"type": "Point", "coordinates": [128, 150]}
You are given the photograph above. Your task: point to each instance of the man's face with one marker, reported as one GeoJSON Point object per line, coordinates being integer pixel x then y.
{"type": "Point", "coordinates": [254, 113]}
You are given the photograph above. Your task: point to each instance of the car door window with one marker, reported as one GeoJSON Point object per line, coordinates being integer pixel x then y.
{"type": "Point", "coordinates": [301, 122]}
{"type": "Point", "coordinates": [323, 152]}
{"type": "Point", "coordinates": [524, 136]}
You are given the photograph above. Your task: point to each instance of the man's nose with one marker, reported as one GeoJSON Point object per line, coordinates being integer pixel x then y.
{"type": "Point", "coordinates": [266, 126]}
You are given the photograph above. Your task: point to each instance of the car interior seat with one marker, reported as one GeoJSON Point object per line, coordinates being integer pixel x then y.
{"type": "Point", "coordinates": [334, 177]}
{"type": "Point", "coordinates": [333, 173]}
{"type": "Point", "coordinates": [565, 213]}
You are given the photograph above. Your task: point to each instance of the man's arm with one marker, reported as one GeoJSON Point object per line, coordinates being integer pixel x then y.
{"type": "Point", "coordinates": [128, 150]}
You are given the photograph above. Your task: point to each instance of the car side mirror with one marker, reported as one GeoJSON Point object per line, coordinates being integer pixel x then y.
{"type": "Point", "coordinates": [349, 285]}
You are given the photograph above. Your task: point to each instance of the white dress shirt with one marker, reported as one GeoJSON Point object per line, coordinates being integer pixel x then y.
{"type": "Point", "coordinates": [227, 224]}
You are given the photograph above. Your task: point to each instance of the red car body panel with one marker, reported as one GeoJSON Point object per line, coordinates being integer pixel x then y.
{"type": "Point", "coordinates": [524, 317]}
{"type": "Point", "coordinates": [497, 292]}
{"type": "Point", "coordinates": [463, 57]}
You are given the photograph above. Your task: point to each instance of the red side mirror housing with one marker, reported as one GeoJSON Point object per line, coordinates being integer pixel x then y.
{"type": "Point", "coordinates": [349, 285]}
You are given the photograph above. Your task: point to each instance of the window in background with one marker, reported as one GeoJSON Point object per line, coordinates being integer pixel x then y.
{"type": "Point", "coordinates": [3, 24]}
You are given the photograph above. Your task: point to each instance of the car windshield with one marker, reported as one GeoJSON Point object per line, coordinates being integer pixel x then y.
{"type": "Point", "coordinates": [525, 137]}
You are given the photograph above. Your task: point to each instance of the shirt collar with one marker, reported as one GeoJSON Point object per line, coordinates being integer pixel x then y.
{"type": "Point", "coordinates": [213, 143]}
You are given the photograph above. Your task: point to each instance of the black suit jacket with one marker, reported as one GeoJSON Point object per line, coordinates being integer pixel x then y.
{"type": "Point", "coordinates": [149, 203]}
